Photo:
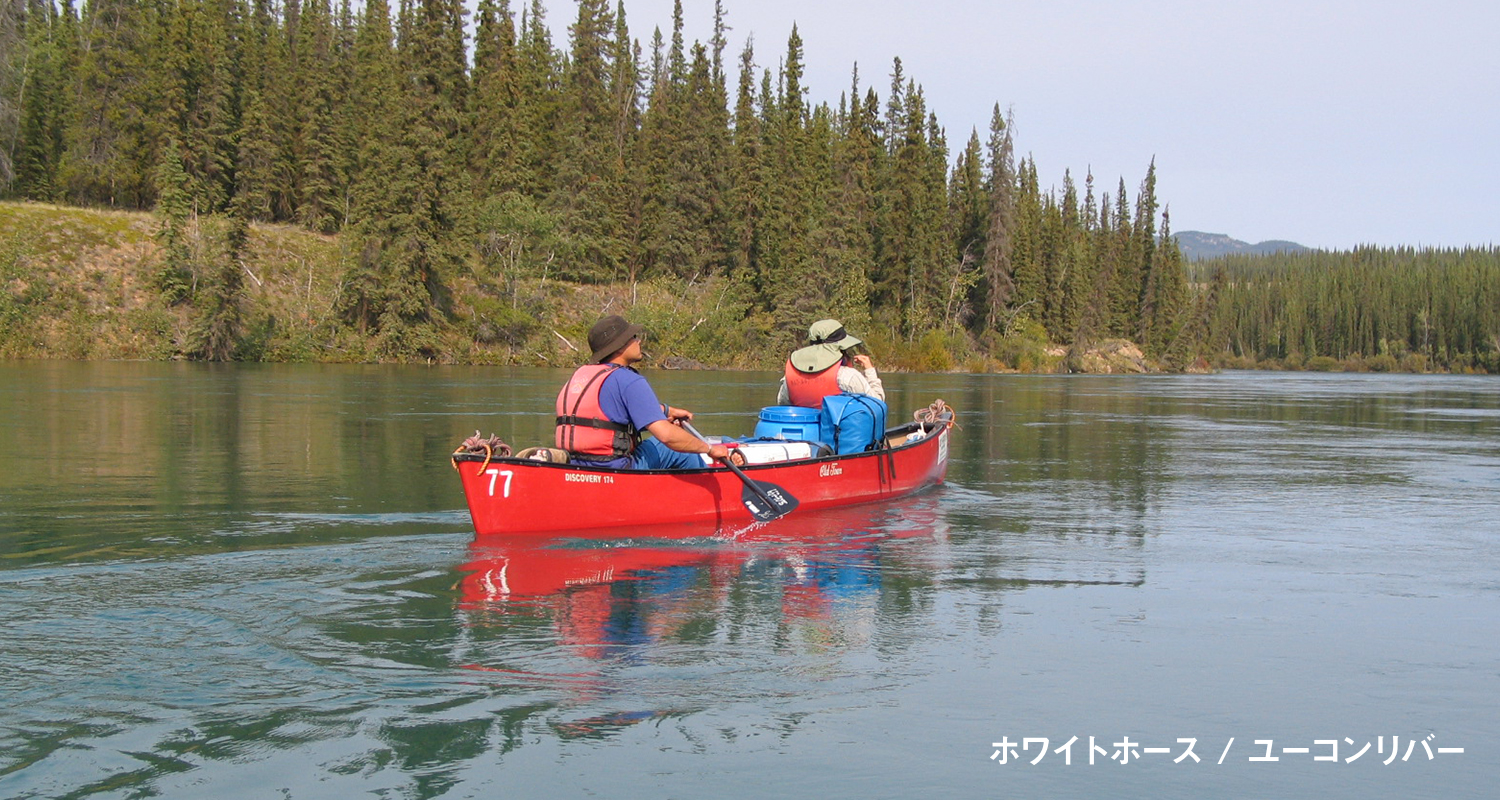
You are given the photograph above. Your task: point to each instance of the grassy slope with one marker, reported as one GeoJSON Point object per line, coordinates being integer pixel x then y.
{"type": "Point", "coordinates": [81, 284]}
{"type": "Point", "coordinates": [70, 284]}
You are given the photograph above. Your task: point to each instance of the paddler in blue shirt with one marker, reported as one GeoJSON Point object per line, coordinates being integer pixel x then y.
{"type": "Point", "coordinates": [606, 405]}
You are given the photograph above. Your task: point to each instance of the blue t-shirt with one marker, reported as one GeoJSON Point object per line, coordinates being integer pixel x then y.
{"type": "Point", "coordinates": [626, 397]}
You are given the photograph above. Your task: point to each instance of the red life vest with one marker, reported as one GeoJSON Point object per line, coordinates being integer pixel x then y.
{"type": "Point", "coordinates": [808, 389]}
{"type": "Point", "coordinates": [582, 428]}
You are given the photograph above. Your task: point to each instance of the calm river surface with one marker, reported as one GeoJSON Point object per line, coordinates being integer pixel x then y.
{"type": "Point", "coordinates": [260, 581]}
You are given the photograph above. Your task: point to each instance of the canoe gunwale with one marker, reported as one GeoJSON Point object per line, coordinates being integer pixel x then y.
{"type": "Point", "coordinates": [930, 428]}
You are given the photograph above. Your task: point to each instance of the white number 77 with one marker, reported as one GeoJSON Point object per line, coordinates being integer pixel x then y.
{"type": "Point", "coordinates": [493, 473]}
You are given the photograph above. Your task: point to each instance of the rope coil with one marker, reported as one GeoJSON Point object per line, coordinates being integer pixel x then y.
{"type": "Point", "coordinates": [933, 413]}
{"type": "Point", "coordinates": [474, 445]}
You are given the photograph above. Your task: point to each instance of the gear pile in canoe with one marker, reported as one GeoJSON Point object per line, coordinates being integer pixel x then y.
{"type": "Point", "coordinates": [536, 491]}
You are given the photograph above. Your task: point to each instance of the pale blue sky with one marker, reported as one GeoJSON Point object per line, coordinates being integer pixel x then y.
{"type": "Point", "coordinates": [1332, 123]}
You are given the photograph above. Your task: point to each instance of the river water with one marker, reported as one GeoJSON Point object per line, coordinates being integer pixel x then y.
{"type": "Point", "coordinates": [260, 581]}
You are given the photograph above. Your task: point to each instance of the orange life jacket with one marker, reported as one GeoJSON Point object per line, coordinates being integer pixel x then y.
{"type": "Point", "coordinates": [808, 389]}
{"type": "Point", "coordinates": [582, 428]}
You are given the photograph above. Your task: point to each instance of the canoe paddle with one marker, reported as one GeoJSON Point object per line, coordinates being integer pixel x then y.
{"type": "Point", "coordinates": [764, 500]}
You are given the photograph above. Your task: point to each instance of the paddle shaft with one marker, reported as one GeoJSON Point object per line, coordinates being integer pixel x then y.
{"type": "Point", "coordinates": [749, 484]}
{"type": "Point", "coordinates": [726, 462]}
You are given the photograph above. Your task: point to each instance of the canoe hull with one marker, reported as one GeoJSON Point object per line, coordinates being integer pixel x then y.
{"type": "Point", "coordinates": [514, 496]}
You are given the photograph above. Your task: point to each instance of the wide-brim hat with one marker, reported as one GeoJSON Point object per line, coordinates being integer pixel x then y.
{"type": "Point", "coordinates": [610, 335]}
{"type": "Point", "coordinates": [826, 342]}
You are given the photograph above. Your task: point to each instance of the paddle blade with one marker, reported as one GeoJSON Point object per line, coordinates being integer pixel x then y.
{"type": "Point", "coordinates": [767, 501]}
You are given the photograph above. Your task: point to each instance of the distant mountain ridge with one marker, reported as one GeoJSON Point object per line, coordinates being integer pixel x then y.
{"type": "Point", "coordinates": [1197, 246]}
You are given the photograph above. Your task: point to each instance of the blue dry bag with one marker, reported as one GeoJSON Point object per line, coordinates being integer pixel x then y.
{"type": "Point", "coordinates": [852, 423]}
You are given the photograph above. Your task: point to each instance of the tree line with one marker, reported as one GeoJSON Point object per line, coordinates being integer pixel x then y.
{"type": "Point", "coordinates": [1381, 309]}
{"type": "Point", "coordinates": [506, 160]}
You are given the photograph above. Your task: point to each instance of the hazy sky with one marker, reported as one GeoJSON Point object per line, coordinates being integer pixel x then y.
{"type": "Point", "coordinates": [1331, 123]}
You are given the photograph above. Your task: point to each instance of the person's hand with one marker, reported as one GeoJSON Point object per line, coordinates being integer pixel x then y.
{"type": "Point", "coordinates": [863, 361]}
{"type": "Point", "coordinates": [718, 452]}
{"type": "Point", "coordinates": [679, 415]}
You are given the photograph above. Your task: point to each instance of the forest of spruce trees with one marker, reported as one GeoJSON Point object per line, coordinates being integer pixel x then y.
{"type": "Point", "coordinates": [462, 173]}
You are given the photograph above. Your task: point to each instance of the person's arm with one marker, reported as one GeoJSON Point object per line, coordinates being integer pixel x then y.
{"type": "Point", "coordinates": [782, 397]}
{"type": "Point", "coordinates": [852, 381]}
{"type": "Point", "coordinates": [660, 421]}
{"type": "Point", "coordinates": [680, 440]}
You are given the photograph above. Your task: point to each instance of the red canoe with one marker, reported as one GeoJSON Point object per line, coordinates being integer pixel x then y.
{"type": "Point", "coordinates": [513, 495]}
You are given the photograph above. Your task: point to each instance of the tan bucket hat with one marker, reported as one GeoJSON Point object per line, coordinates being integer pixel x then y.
{"type": "Point", "coordinates": [826, 342]}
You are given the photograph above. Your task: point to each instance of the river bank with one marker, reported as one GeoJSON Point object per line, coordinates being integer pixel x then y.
{"type": "Point", "coordinates": [87, 284]}
{"type": "Point", "coordinates": [90, 284]}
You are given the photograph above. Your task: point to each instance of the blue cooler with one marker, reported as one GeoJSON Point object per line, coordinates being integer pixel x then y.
{"type": "Point", "coordinates": [788, 422]}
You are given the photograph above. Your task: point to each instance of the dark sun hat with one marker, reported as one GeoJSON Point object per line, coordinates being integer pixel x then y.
{"type": "Point", "coordinates": [826, 342]}
{"type": "Point", "coordinates": [610, 335]}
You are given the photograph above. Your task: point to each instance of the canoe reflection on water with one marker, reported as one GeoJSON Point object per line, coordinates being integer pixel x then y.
{"type": "Point", "coordinates": [815, 575]}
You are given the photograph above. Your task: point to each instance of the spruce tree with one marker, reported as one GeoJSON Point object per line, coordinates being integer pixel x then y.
{"type": "Point", "coordinates": [1145, 253]}
{"type": "Point", "coordinates": [378, 84]}
{"type": "Point", "coordinates": [744, 189]}
{"type": "Point", "coordinates": [219, 326]}
{"type": "Point", "coordinates": [968, 203]}
{"type": "Point", "coordinates": [705, 147]}
{"type": "Point", "coordinates": [912, 258]}
{"type": "Point", "coordinates": [42, 91]}
{"type": "Point", "coordinates": [846, 246]}
{"type": "Point", "coordinates": [1169, 288]}
{"type": "Point", "coordinates": [539, 68]}
{"type": "Point", "coordinates": [717, 44]}
{"type": "Point", "coordinates": [257, 156]}
{"type": "Point", "coordinates": [1099, 256]}
{"type": "Point", "coordinates": [318, 146]}
{"type": "Point", "coordinates": [193, 71]}
{"type": "Point", "coordinates": [174, 209]}
{"type": "Point", "coordinates": [660, 154]}
{"type": "Point", "coordinates": [587, 178]}
{"type": "Point", "coordinates": [346, 124]}
{"type": "Point", "coordinates": [1075, 268]}
{"type": "Point", "coordinates": [942, 278]}
{"type": "Point", "coordinates": [1028, 270]}
{"type": "Point", "coordinates": [14, 52]}
{"type": "Point", "coordinates": [683, 151]}
{"type": "Point", "coordinates": [626, 88]}
{"type": "Point", "coordinates": [999, 285]}
{"type": "Point", "coordinates": [110, 153]}
{"type": "Point", "coordinates": [1052, 242]}
{"type": "Point", "coordinates": [413, 216]}
{"type": "Point", "coordinates": [895, 109]}
{"type": "Point", "coordinates": [495, 151]}
{"type": "Point", "coordinates": [1125, 278]}
{"type": "Point", "coordinates": [785, 261]}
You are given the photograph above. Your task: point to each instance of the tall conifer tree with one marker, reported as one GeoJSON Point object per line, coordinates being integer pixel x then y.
{"type": "Point", "coordinates": [746, 188]}
{"type": "Point", "coordinates": [846, 244]}
{"type": "Point", "coordinates": [785, 260]}
{"type": "Point", "coordinates": [43, 98]}
{"type": "Point", "coordinates": [999, 282]}
{"type": "Point", "coordinates": [587, 178]}
{"type": "Point", "coordinates": [1145, 254]}
{"type": "Point", "coordinates": [318, 146]}
{"type": "Point", "coordinates": [496, 100]}
{"type": "Point", "coordinates": [14, 52]}
{"type": "Point", "coordinates": [110, 153]}
{"type": "Point", "coordinates": [258, 154]}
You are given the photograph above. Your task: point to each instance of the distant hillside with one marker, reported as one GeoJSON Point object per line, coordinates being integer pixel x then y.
{"type": "Point", "coordinates": [1197, 246]}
